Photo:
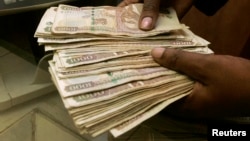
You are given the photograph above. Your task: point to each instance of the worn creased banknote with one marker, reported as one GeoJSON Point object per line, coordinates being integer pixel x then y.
{"type": "Point", "coordinates": [103, 69]}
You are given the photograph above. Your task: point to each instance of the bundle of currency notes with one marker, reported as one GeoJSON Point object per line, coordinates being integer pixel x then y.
{"type": "Point", "coordinates": [102, 65]}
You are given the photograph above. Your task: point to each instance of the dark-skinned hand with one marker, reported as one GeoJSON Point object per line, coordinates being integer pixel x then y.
{"type": "Point", "coordinates": [151, 9]}
{"type": "Point", "coordinates": [222, 83]}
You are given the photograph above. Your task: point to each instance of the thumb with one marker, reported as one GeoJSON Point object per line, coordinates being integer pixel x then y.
{"type": "Point", "coordinates": [149, 14]}
{"type": "Point", "coordinates": [192, 64]}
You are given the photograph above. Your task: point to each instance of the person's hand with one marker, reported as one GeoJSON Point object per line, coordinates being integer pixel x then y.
{"type": "Point", "coordinates": [151, 8]}
{"type": "Point", "coordinates": [222, 86]}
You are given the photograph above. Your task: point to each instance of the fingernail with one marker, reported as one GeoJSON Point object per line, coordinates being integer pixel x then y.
{"type": "Point", "coordinates": [146, 23]}
{"type": "Point", "coordinates": [157, 52]}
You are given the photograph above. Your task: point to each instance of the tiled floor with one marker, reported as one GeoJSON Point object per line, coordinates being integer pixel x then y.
{"type": "Point", "coordinates": [17, 77]}
{"type": "Point", "coordinates": [30, 108]}
{"type": "Point", "coordinates": [40, 119]}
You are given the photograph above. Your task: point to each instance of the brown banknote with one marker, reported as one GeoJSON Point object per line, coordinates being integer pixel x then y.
{"type": "Point", "coordinates": [108, 20]}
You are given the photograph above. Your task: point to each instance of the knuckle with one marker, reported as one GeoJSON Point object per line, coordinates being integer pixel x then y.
{"type": "Point", "coordinates": [148, 7]}
{"type": "Point", "coordinates": [173, 61]}
{"type": "Point", "coordinates": [151, 5]}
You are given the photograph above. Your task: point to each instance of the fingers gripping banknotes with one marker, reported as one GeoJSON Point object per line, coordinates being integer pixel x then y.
{"type": "Point", "coordinates": [107, 20]}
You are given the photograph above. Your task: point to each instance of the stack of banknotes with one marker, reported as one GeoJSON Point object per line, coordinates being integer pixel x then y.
{"type": "Point", "coordinates": [102, 65]}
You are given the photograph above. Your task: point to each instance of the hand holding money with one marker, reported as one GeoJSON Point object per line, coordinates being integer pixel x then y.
{"type": "Point", "coordinates": [103, 68]}
{"type": "Point", "coordinates": [220, 90]}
